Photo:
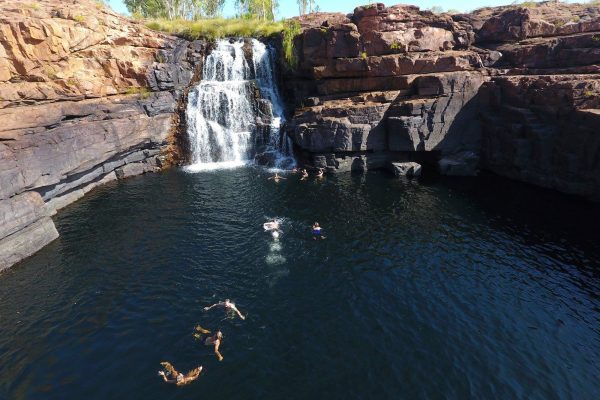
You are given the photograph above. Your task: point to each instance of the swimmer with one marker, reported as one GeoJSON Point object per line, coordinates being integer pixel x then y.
{"type": "Point", "coordinates": [304, 174]}
{"type": "Point", "coordinates": [320, 173]}
{"type": "Point", "coordinates": [228, 305]}
{"type": "Point", "coordinates": [177, 377]}
{"type": "Point", "coordinates": [316, 229]}
{"type": "Point", "coordinates": [271, 226]}
{"type": "Point", "coordinates": [276, 178]}
{"type": "Point", "coordinates": [215, 341]}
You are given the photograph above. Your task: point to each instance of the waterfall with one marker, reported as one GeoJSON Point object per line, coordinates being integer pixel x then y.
{"type": "Point", "coordinates": [228, 124]}
{"type": "Point", "coordinates": [279, 144]}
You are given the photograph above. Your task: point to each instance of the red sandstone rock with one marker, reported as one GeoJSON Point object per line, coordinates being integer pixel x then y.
{"type": "Point", "coordinates": [83, 100]}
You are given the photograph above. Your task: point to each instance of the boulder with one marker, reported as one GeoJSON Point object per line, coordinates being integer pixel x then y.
{"type": "Point", "coordinates": [405, 169]}
{"type": "Point", "coordinates": [25, 227]}
{"type": "Point", "coordinates": [462, 164]}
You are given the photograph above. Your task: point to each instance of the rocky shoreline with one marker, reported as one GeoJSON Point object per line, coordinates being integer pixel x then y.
{"type": "Point", "coordinates": [513, 90]}
{"type": "Point", "coordinates": [88, 96]}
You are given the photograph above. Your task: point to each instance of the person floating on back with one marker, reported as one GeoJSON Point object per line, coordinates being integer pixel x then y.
{"type": "Point", "coordinates": [316, 230]}
{"type": "Point", "coordinates": [177, 377]}
{"type": "Point", "coordinates": [273, 227]}
{"type": "Point", "coordinates": [228, 305]}
{"type": "Point", "coordinates": [276, 177]}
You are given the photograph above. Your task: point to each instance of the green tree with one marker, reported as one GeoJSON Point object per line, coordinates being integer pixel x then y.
{"type": "Point", "coordinates": [307, 6]}
{"type": "Point", "coordinates": [175, 9]}
{"type": "Point", "coordinates": [261, 9]}
{"type": "Point", "coordinates": [146, 8]}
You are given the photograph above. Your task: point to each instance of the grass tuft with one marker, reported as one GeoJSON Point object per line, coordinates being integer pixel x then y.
{"type": "Point", "coordinates": [144, 92]}
{"type": "Point", "coordinates": [216, 28]}
{"type": "Point", "coordinates": [528, 4]}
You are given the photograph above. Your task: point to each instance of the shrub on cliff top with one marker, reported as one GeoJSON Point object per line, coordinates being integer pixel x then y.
{"type": "Point", "coordinates": [215, 28]}
{"type": "Point", "coordinates": [291, 28]}
{"type": "Point", "coordinates": [526, 4]}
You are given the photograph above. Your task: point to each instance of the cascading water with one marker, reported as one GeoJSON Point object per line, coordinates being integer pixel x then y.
{"type": "Point", "coordinates": [278, 144]}
{"type": "Point", "coordinates": [224, 117]}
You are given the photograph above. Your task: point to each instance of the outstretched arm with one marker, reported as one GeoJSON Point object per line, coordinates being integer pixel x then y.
{"type": "Point", "coordinates": [214, 305]}
{"type": "Point", "coordinates": [161, 373]}
{"type": "Point", "coordinates": [169, 368]}
{"type": "Point", "coordinates": [193, 374]}
{"type": "Point", "coordinates": [238, 312]}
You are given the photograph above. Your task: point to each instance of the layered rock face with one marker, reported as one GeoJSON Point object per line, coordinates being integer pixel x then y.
{"type": "Point", "coordinates": [386, 84]}
{"type": "Point", "coordinates": [541, 120]}
{"type": "Point", "coordinates": [86, 97]}
{"type": "Point", "coordinates": [509, 89]}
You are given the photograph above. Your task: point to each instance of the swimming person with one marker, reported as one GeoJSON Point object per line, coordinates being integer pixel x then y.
{"type": "Point", "coordinates": [276, 178]}
{"type": "Point", "coordinates": [215, 341]}
{"type": "Point", "coordinates": [228, 305]}
{"type": "Point", "coordinates": [271, 225]}
{"type": "Point", "coordinates": [304, 174]}
{"type": "Point", "coordinates": [316, 229]}
{"type": "Point", "coordinates": [177, 377]}
{"type": "Point", "coordinates": [320, 173]}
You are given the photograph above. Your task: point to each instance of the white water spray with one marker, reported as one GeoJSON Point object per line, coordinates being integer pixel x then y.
{"type": "Point", "coordinates": [223, 113]}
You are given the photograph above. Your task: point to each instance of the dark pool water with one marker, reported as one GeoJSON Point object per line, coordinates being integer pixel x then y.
{"type": "Point", "coordinates": [449, 289]}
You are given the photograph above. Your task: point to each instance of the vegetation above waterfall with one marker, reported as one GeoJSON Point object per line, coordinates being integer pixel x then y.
{"type": "Point", "coordinates": [194, 19]}
{"type": "Point", "coordinates": [214, 28]}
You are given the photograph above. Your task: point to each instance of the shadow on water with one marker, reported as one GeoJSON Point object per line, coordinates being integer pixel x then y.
{"type": "Point", "coordinates": [462, 288]}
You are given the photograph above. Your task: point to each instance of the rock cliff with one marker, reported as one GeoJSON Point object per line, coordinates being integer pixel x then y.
{"type": "Point", "coordinates": [513, 90]}
{"type": "Point", "coordinates": [86, 97]}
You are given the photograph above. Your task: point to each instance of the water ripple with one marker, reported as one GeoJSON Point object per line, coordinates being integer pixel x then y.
{"type": "Point", "coordinates": [420, 290]}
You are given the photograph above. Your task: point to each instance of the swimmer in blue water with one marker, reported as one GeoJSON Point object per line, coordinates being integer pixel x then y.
{"type": "Point", "coordinates": [228, 306]}
{"type": "Point", "coordinates": [273, 227]}
{"type": "Point", "coordinates": [176, 377]}
{"type": "Point", "coordinates": [303, 174]}
{"type": "Point", "coordinates": [316, 230]}
{"type": "Point", "coordinates": [276, 178]}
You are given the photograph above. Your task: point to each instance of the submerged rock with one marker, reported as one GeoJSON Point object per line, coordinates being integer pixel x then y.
{"type": "Point", "coordinates": [406, 169]}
